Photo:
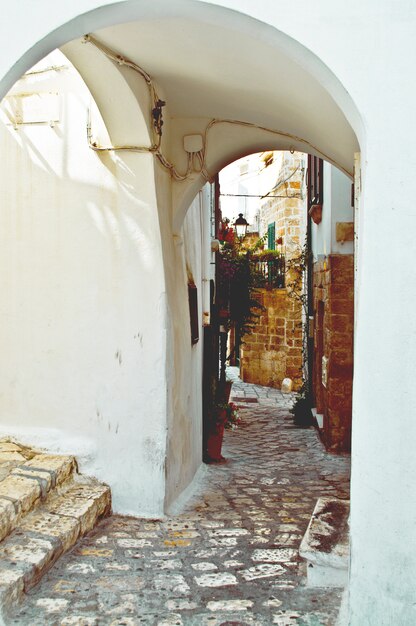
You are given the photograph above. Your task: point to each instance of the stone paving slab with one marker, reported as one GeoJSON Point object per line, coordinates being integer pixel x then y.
{"type": "Point", "coordinates": [229, 559]}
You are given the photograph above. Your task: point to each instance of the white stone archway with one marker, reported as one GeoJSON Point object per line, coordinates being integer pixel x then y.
{"type": "Point", "coordinates": [362, 45]}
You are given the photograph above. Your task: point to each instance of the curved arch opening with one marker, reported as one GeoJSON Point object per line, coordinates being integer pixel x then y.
{"type": "Point", "coordinates": [210, 78]}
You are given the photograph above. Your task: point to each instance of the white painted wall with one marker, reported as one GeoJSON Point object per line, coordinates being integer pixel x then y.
{"type": "Point", "coordinates": [82, 328]}
{"type": "Point", "coordinates": [89, 236]}
{"type": "Point", "coordinates": [347, 50]}
{"type": "Point", "coordinates": [247, 176]}
{"type": "Point", "coordinates": [336, 208]}
{"type": "Point", "coordinates": [341, 209]}
{"type": "Point", "coordinates": [184, 454]}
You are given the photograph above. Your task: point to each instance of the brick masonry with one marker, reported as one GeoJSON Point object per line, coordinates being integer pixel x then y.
{"type": "Point", "coordinates": [274, 350]}
{"type": "Point", "coordinates": [333, 339]}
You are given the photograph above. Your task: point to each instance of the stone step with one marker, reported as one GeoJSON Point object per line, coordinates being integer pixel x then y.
{"type": "Point", "coordinates": [45, 534]}
{"type": "Point", "coordinates": [27, 477]}
{"type": "Point", "coordinates": [325, 545]}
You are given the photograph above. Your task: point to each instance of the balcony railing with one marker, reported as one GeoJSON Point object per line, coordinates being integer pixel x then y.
{"type": "Point", "coordinates": [270, 274]}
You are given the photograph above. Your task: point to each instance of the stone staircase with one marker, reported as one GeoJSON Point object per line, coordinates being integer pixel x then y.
{"type": "Point", "coordinates": [45, 507]}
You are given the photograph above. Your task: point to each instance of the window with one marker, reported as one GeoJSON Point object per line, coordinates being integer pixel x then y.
{"type": "Point", "coordinates": [271, 236]}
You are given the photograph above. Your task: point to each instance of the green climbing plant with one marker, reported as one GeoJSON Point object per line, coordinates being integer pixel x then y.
{"type": "Point", "coordinates": [296, 280]}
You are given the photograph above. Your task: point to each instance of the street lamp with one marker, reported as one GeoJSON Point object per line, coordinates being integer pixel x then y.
{"type": "Point", "coordinates": [241, 226]}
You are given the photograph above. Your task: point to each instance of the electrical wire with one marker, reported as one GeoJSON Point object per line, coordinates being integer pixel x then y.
{"type": "Point", "coordinates": [156, 101]}
{"type": "Point", "coordinates": [51, 68]}
{"type": "Point", "coordinates": [273, 131]}
{"type": "Point", "coordinates": [247, 195]}
{"type": "Point", "coordinates": [279, 182]}
{"type": "Point", "coordinates": [157, 104]}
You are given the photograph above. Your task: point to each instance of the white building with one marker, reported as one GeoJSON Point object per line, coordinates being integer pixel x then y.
{"type": "Point", "coordinates": [94, 314]}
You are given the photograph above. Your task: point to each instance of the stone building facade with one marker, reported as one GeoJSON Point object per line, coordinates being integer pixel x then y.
{"type": "Point", "coordinates": [284, 205]}
{"type": "Point", "coordinates": [274, 350]}
{"type": "Point", "coordinates": [333, 305]}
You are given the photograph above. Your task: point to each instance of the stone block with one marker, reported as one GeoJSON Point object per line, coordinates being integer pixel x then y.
{"type": "Point", "coordinates": [341, 357]}
{"type": "Point", "coordinates": [7, 456]}
{"type": "Point", "coordinates": [340, 292]}
{"type": "Point", "coordinates": [24, 491]}
{"type": "Point", "coordinates": [31, 555]}
{"type": "Point", "coordinates": [342, 307]}
{"type": "Point", "coordinates": [7, 517]}
{"type": "Point", "coordinates": [344, 276]}
{"type": "Point", "coordinates": [339, 371]}
{"type": "Point", "coordinates": [66, 529]}
{"type": "Point", "coordinates": [342, 323]}
{"type": "Point", "coordinates": [84, 502]}
{"type": "Point", "coordinates": [62, 467]}
{"type": "Point", "coordinates": [340, 340]}
{"type": "Point", "coordinates": [11, 589]}
{"type": "Point", "coordinates": [44, 478]}
{"type": "Point", "coordinates": [341, 262]}
{"type": "Point", "coordinates": [325, 545]}
{"type": "Point", "coordinates": [337, 402]}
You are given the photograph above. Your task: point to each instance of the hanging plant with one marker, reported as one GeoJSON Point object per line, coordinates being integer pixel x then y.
{"type": "Point", "coordinates": [237, 288]}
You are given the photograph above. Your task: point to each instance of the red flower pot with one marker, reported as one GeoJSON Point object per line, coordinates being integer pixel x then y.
{"type": "Point", "coordinates": [215, 444]}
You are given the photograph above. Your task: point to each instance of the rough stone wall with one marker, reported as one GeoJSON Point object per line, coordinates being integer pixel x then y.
{"type": "Point", "coordinates": [333, 339]}
{"type": "Point", "coordinates": [274, 350]}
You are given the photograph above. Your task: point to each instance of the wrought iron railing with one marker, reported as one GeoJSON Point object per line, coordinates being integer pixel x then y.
{"type": "Point", "coordinates": [270, 274]}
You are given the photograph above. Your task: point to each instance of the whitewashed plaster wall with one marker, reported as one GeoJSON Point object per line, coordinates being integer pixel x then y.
{"type": "Point", "coordinates": [255, 180]}
{"type": "Point", "coordinates": [243, 177]}
{"type": "Point", "coordinates": [336, 208]}
{"type": "Point", "coordinates": [184, 453]}
{"type": "Point", "coordinates": [362, 54]}
{"type": "Point", "coordinates": [341, 211]}
{"type": "Point", "coordinates": [82, 329]}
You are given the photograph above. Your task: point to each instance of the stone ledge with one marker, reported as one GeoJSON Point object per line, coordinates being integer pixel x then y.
{"type": "Point", "coordinates": [325, 545]}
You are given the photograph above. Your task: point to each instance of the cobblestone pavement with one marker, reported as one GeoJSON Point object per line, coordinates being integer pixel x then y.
{"type": "Point", "coordinates": [230, 559]}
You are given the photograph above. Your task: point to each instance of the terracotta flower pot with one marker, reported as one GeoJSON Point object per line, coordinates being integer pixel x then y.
{"type": "Point", "coordinates": [215, 444]}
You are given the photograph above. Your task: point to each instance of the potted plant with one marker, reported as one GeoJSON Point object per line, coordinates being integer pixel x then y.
{"type": "Point", "coordinates": [301, 411]}
{"type": "Point", "coordinates": [226, 416]}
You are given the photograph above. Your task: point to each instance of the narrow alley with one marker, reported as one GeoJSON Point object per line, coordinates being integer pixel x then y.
{"type": "Point", "coordinates": [230, 558]}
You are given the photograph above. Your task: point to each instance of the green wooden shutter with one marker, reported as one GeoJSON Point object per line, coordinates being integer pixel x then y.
{"type": "Point", "coordinates": [271, 236]}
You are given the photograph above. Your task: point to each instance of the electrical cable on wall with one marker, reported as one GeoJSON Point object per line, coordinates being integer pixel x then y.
{"type": "Point", "coordinates": [281, 182]}
{"type": "Point", "coordinates": [273, 131]}
{"type": "Point", "coordinates": [155, 113]}
{"type": "Point", "coordinates": [157, 123]}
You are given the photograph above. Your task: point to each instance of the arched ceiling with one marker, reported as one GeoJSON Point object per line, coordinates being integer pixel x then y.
{"type": "Point", "coordinates": [221, 68]}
